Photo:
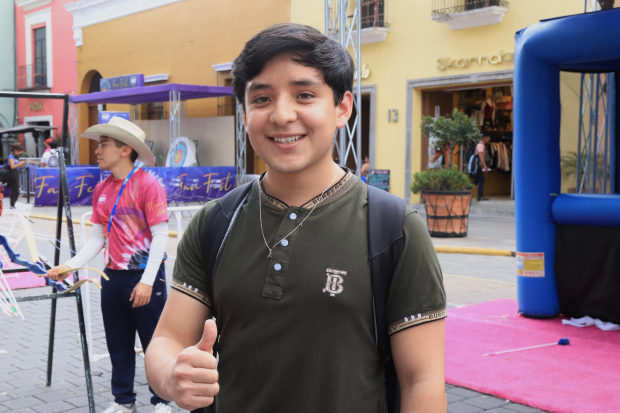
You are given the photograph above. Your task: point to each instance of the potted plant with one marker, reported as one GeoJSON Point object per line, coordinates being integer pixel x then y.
{"type": "Point", "coordinates": [446, 192]}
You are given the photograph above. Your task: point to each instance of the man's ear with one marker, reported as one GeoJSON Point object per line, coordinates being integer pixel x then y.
{"type": "Point", "coordinates": [126, 151]}
{"type": "Point", "coordinates": [344, 110]}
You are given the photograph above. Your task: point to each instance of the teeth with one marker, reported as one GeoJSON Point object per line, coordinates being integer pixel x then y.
{"type": "Point", "coordinates": [290, 139]}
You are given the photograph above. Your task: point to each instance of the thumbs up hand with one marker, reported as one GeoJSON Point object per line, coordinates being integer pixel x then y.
{"type": "Point", "coordinates": [194, 378]}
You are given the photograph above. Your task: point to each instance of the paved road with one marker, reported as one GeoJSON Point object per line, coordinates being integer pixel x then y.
{"type": "Point", "coordinates": [468, 279]}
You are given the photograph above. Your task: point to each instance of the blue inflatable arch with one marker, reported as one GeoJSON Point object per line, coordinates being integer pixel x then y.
{"type": "Point", "coordinates": [581, 43]}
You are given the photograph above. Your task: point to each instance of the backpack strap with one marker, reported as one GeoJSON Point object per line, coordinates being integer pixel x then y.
{"type": "Point", "coordinates": [386, 219]}
{"type": "Point", "coordinates": [216, 226]}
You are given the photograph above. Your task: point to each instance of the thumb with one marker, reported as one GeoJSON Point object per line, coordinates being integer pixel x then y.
{"type": "Point", "coordinates": [209, 336]}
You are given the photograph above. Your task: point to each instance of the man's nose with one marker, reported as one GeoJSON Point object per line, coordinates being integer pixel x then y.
{"type": "Point", "coordinates": [283, 112]}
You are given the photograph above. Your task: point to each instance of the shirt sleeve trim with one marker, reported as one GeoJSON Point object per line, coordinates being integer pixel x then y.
{"type": "Point", "coordinates": [416, 319]}
{"type": "Point", "coordinates": [192, 292]}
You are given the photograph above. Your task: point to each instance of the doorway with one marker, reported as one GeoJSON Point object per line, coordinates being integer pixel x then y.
{"type": "Point", "coordinates": [34, 142]}
{"type": "Point", "coordinates": [491, 108]}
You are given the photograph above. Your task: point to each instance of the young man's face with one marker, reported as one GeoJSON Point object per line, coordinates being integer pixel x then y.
{"type": "Point", "coordinates": [108, 154]}
{"type": "Point", "coordinates": [290, 115]}
{"type": "Point", "coordinates": [486, 139]}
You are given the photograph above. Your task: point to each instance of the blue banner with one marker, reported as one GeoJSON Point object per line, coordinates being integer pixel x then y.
{"type": "Point", "coordinates": [183, 185]}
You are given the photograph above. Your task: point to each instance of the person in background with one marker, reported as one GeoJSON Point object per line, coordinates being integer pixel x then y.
{"type": "Point", "coordinates": [366, 166]}
{"type": "Point", "coordinates": [12, 177]}
{"type": "Point", "coordinates": [134, 237]}
{"type": "Point", "coordinates": [47, 145]}
{"type": "Point", "coordinates": [50, 157]}
{"type": "Point", "coordinates": [482, 166]}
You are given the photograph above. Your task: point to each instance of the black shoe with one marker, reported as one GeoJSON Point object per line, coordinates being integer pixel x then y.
{"type": "Point", "coordinates": [483, 199]}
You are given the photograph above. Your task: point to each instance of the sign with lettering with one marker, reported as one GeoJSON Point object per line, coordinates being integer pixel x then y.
{"type": "Point", "coordinates": [36, 106]}
{"type": "Point", "coordinates": [379, 178]}
{"type": "Point", "coordinates": [444, 63]}
{"type": "Point", "coordinates": [121, 82]}
{"type": "Point", "coordinates": [187, 184]}
{"type": "Point", "coordinates": [105, 116]}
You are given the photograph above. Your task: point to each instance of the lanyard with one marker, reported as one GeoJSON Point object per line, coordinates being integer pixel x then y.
{"type": "Point", "coordinates": [119, 197]}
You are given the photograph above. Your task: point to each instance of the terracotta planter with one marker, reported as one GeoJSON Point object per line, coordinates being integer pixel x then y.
{"type": "Point", "coordinates": [447, 212]}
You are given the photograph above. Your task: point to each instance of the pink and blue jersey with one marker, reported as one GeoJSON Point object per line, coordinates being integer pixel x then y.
{"type": "Point", "coordinates": [143, 204]}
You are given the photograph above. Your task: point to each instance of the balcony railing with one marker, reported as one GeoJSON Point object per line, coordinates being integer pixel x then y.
{"type": "Point", "coordinates": [374, 13]}
{"type": "Point", "coordinates": [443, 7]}
{"type": "Point", "coordinates": [32, 77]}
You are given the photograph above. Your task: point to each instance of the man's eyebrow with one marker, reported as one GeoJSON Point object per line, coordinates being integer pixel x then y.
{"type": "Point", "coordinates": [258, 86]}
{"type": "Point", "coordinates": [305, 82]}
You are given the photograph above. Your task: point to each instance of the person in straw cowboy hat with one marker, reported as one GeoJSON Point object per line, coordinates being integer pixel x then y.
{"type": "Point", "coordinates": [130, 222]}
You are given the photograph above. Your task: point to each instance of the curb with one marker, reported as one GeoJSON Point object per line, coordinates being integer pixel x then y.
{"type": "Point", "coordinates": [77, 221]}
{"type": "Point", "coordinates": [474, 251]}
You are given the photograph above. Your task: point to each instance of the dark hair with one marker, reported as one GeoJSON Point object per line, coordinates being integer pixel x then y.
{"type": "Point", "coordinates": [311, 48]}
{"type": "Point", "coordinates": [53, 144]}
{"type": "Point", "coordinates": [133, 156]}
{"type": "Point", "coordinates": [16, 147]}
{"type": "Point", "coordinates": [485, 132]}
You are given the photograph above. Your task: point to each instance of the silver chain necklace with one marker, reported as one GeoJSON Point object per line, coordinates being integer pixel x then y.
{"type": "Point", "coordinates": [260, 213]}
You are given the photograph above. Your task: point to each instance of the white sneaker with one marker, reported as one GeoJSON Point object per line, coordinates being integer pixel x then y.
{"type": "Point", "coordinates": [162, 408]}
{"type": "Point", "coordinates": [121, 408]}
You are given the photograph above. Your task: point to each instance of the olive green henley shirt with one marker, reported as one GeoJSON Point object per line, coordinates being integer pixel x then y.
{"type": "Point", "coordinates": [297, 329]}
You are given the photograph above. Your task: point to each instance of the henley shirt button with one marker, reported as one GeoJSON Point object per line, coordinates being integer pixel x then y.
{"type": "Point", "coordinates": [284, 242]}
{"type": "Point", "coordinates": [293, 216]}
{"type": "Point", "coordinates": [277, 267]}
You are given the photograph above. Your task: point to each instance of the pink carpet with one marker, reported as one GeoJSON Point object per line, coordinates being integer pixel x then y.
{"type": "Point", "coordinates": [583, 377]}
{"type": "Point", "coordinates": [22, 279]}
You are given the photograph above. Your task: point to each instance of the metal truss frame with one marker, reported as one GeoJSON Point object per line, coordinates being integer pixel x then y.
{"type": "Point", "coordinates": [596, 161]}
{"type": "Point", "coordinates": [174, 117]}
{"type": "Point", "coordinates": [596, 150]}
{"type": "Point", "coordinates": [74, 134]}
{"type": "Point", "coordinates": [240, 146]}
{"type": "Point", "coordinates": [342, 23]}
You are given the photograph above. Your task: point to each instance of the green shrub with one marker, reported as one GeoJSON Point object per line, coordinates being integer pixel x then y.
{"type": "Point", "coordinates": [442, 179]}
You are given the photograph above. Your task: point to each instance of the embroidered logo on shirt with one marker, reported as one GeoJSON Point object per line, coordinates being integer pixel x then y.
{"type": "Point", "coordinates": [102, 198]}
{"type": "Point", "coordinates": [333, 285]}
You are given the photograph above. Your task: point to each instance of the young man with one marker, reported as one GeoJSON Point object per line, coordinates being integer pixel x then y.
{"type": "Point", "coordinates": [289, 342]}
{"type": "Point", "coordinates": [130, 222]}
{"type": "Point", "coordinates": [50, 157]}
{"type": "Point", "coordinates": [481, 166]}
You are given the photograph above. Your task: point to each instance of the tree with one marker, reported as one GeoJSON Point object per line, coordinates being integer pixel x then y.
{"type": "Point", "coordinates": [459, 129]}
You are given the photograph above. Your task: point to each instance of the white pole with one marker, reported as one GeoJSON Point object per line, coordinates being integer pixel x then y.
{"type": "Point", "coordinates": [86, 287]}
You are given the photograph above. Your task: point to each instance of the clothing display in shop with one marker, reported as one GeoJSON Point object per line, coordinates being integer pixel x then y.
{"type": "Point", "coordinates": [500, 155]}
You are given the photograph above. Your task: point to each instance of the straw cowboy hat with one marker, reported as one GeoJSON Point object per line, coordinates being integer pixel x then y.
{"type": "Point", "coordinates": [126, 132]}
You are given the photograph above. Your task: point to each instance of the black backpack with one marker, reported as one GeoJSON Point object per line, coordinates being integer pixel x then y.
{"type": "Point", "coordinates": [386, 218]}
{"type": "Point", "coordinates": [471, 150]}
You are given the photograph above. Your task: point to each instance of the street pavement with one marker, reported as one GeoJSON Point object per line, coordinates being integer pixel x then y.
{"type": "Point", "coordinates": [468, 279]}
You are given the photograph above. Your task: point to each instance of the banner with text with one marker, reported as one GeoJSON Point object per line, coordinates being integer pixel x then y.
{"type": "Point", "coordinates": [183, 185]}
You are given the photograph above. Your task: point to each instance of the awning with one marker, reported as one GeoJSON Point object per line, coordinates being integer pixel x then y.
{"type": "Point", "coordinates": [151, 94]}
{"type": "Point", "coordinates": [26, 129]}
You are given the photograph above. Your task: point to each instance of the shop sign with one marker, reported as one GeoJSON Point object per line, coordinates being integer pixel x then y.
{"type": "Point", "coordinates": [121, 82]}
{"type": "Point", "coordinates": [444, 63]}
{"type": "Point", "coordinates": [36, 106]}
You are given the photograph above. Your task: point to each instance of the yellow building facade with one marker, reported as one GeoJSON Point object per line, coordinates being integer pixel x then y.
{"type": "Point", "coordinates": [430, 62]}
{"type": "Point", "coordinates": [169, 41]}
{"type": "Point", "coordinates": [417, 60]}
